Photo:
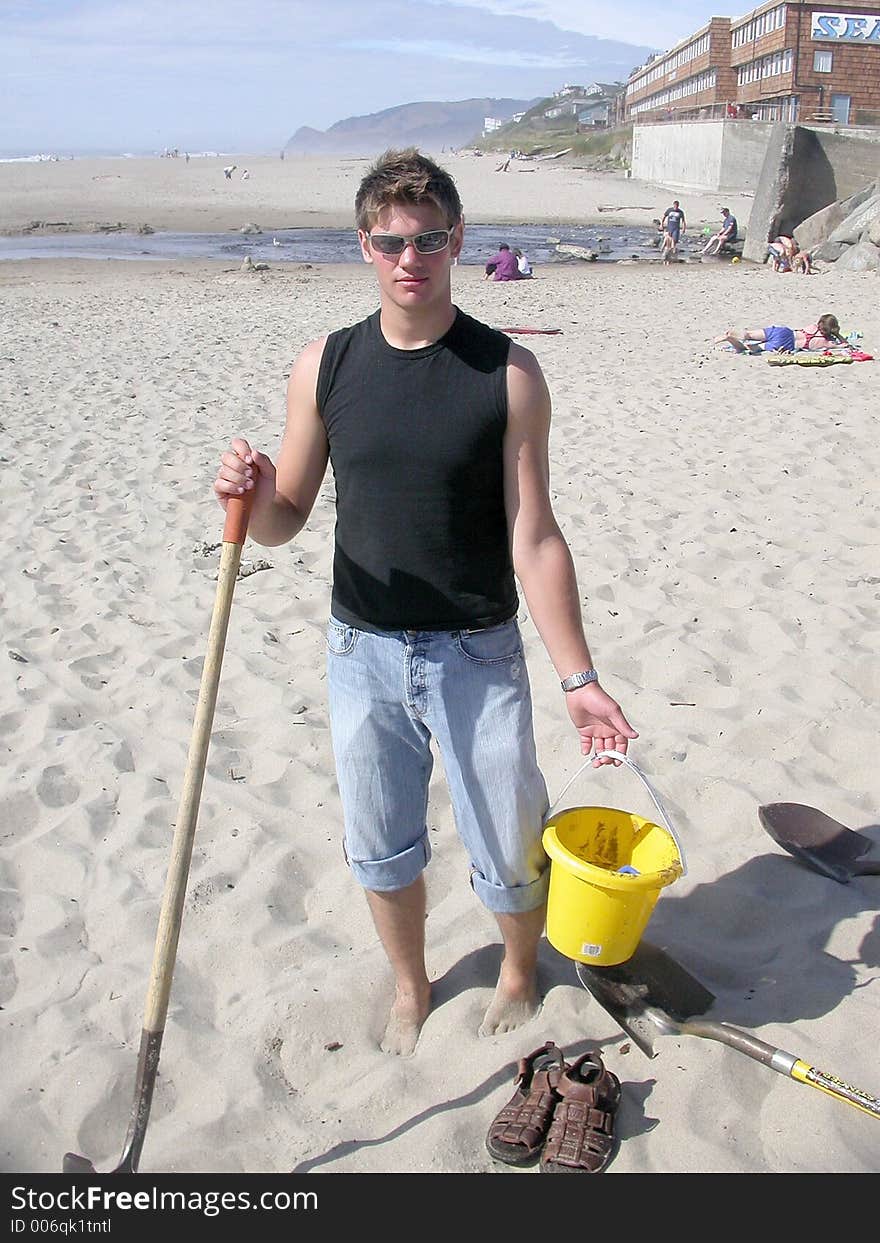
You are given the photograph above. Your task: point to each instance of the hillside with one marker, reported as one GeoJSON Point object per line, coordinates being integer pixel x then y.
{"type": "Point", "coordinates": [430, 125]}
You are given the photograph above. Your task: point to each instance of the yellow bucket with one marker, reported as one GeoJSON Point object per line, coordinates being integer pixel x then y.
{"type": "Point", "coordinates": [607, 869]}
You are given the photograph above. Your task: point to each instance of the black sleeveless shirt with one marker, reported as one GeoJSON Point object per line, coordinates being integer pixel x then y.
{"type": "Point", "coordinates": [416, 442]}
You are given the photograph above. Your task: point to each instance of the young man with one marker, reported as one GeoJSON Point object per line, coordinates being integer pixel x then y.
{"type": "Point", "coordinates": [727, 233]}
{"type": "Point", "coordinates": [673, 222]}
{"type": "Point", "coordinates": [436, 427]}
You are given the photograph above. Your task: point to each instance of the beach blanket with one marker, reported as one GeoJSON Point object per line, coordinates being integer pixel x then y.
{"type": "Point", "coordinates": [825, 359]}
{"type": "Point", "coordinates": [807, 360]}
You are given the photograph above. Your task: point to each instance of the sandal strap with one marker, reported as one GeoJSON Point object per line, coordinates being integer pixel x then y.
{"type": "Point", "coordinates": [526, 1122]}
{"type": "Point", "coordinates": [581, 1134]}
{"type": "Point", "coordinates": [577, 1134]}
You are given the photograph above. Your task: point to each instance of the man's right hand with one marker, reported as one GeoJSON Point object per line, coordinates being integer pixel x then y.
{"type": "Point", "coordinates": [243, 469]}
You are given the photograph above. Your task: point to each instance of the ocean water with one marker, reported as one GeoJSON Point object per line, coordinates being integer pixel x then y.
{"type": "Point", "coordinates": [611, 243]}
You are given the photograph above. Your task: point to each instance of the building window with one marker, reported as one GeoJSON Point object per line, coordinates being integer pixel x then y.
{"type": "Point", "coordinates": [822, 62]}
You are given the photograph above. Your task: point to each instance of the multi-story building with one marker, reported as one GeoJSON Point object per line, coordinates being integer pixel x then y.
{"type": "Point", "coordinates": [690, 78]}
{"type": "Point", "coordinates": [795, 61]}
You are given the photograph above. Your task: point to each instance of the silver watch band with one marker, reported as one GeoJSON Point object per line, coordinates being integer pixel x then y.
{"type": "Point", "coordinates": [576, 680]}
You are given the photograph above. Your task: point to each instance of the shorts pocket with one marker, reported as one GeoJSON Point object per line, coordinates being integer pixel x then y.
{"type": "Point", "coordinates": [492, 646]}
{"type": "Point", "coordinates": [340, 638]}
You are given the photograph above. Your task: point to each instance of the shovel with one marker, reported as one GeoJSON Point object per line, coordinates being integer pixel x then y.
{"type": "Point", "coordinates": [822, 843]}
{"type": "Point", "coordinates": [651, 993]}
{"type": "Point", "coordinates": [171, 913]}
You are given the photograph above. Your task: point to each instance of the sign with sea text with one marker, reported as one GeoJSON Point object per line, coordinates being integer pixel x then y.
{"type": "Point", "coordinates": [846, 28]}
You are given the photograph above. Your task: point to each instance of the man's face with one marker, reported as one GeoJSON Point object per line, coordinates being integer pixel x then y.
{"type": "Point", "coordinates": [411, 279]}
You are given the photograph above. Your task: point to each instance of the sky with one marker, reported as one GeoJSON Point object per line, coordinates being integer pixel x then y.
{"type": "Point", "coordinates": [79, 76]}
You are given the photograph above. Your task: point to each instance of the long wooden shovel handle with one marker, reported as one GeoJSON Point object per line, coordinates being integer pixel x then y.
{"type": "Point", "coordinates": [171, 913]}
{"type": "Point", "coordinates": [234, 533]}
{"type": "Point", "coordinates": [783, 1063]}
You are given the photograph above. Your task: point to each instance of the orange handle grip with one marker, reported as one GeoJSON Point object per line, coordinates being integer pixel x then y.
{"type": "Point", "coordinates": [237, 513]}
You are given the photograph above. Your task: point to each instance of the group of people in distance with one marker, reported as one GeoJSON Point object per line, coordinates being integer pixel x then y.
{"type": "Point", "coordinates": [508, 265]}
{"type": "Point", "coordinates": [673, 225]}
{"type": "Point", "coordinates": [784, 255]}
{"type": "Point", "coordinates": [783, 252]}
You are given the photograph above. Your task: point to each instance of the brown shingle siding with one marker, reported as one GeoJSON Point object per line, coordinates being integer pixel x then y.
{"type": "Point", "coordinates": [855, 66]}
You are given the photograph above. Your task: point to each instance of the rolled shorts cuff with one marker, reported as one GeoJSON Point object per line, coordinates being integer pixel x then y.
{"type": "Point", "coordinates": [501, 900]}
{"type": "Point", "coordinates": [396, 872]}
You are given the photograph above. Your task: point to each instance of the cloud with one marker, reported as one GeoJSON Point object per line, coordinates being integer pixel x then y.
{"type": "Point", "coordinates": [231, 75]}
{"type": "Point", "coordinates": [636, 21]}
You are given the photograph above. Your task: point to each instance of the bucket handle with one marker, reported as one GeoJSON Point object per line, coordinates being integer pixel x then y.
{"type": "Point", "coordinates": [655, 797]}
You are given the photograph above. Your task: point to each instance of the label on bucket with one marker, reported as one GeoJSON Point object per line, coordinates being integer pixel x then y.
{"type": "Point", "coordinates": [592, 951]}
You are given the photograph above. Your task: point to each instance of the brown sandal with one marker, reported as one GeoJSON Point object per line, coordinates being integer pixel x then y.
{"type": "Point", "coordinates": [581, 1136]}
{"type": "Point", "coordinates": [519, 1130]}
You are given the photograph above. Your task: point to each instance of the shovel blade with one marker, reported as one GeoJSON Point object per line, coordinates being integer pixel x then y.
{"type": "Point", "coordinates": [816, 839]}
{"type": "Point", "coordinates": [648, 995]}
{"type": "Point", "coordinates": [75, 1164]}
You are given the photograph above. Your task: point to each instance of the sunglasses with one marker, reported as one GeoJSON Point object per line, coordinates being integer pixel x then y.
{"type": "Point", "coordinates": [429, 243]}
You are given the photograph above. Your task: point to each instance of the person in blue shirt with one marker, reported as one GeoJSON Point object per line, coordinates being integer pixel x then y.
{"type": "Point", "coordinates": [673, 222]}
{"type": "Point", "coordinates": [727, 233]}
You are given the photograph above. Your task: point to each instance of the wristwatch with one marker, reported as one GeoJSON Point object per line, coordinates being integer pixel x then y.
{"type": "Point", "coordinates": [576, 680]}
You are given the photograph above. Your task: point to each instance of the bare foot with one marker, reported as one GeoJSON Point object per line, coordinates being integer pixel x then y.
{"type": "Point", "coordinates": [405, 1023]}
{"type": "Point", "coordinates": [512, 1005]}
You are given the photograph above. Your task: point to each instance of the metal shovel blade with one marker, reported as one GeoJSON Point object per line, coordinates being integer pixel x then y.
{"type": "Point", "coordinates": [652, 994]}
{"type": "Point", "coordinates": [648, 994]}
{"type": "Point", "coordinates": [821, 842]}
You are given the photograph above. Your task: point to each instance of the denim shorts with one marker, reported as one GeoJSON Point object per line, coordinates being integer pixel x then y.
{"type": "Point", "coordinates": [390, 694]}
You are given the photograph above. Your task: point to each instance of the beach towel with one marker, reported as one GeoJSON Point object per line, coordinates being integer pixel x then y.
{"type": "Point", "coordinates": [808, 360]}
{"type": "Point", "coordinates": [546, 332]}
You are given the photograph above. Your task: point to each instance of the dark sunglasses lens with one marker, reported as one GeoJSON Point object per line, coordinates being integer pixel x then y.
{"type": "Point", "coordinates": [430, 243]}
{"type": "Point", "coordinates": [387, 243]}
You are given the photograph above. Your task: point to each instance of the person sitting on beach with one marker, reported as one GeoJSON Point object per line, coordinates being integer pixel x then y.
{"type": "Point", "coordinates": [522, 262]}
{"type": "Point", "coordinates": [437, 429]}
{"type": "Point", "coordinates": [229, 170]}
{"type": "Point", "coordinates": [505, 266]}
{"type": "Point", "coordinates": [819, 336]}
{"type": "Point", "coordinates": [726, 234]}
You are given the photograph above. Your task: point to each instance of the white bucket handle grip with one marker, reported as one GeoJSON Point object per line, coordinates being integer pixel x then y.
{"type": "Point", "coordinates": [655, 797]}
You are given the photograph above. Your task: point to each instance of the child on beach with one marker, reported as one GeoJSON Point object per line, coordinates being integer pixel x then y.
{"type": "Point", "coordinates": [786, 256]}
{"type": "Point", "coordinates": [437, 430]}
{"type": "Point", "coordinates": [524, 265]}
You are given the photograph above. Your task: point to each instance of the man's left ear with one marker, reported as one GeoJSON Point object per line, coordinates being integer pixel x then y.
{"type": "Point", "coordinates": [457, 240]}
{"type": "Point", "coordinates": [364, 241]}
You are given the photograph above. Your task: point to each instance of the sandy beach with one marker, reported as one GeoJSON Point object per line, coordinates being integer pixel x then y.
{"type": "Point", "coordinates": [303, 191]}
{"type": "Point", "coordinates": [721, 516]}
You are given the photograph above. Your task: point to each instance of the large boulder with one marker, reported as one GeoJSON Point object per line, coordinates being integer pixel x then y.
{"type": "Point", "coordinates": [829, 252]}
{"type": "Point", "coordinates": [821, 224]}
{"type": "Point", "coordinates": [856, 223]}
{"type": "Point", "coordinates": [808, 172]}
{"type": "Point", "coordinates": [862, 257]}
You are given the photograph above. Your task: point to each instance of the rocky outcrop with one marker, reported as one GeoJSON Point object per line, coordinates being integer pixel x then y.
{"type": "Point", "coordinates": [811, 183]}
{"type": "Point", "coordinates": [846, 233]}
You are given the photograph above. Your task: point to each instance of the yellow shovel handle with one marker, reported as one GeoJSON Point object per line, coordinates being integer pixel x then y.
{"type": "Point", "coordinates": [815, 1078]}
